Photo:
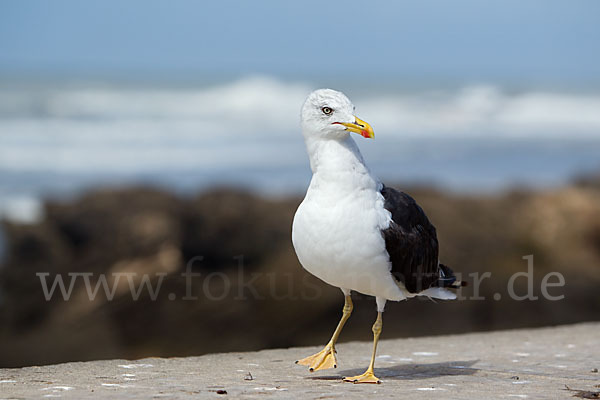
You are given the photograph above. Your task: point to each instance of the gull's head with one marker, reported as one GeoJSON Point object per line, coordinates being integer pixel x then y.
{"type": "Point", "coordinates": [329, 114]}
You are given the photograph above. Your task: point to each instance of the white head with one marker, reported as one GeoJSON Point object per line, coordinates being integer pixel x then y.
{"type": "Point", "coordinates": [328, 114]}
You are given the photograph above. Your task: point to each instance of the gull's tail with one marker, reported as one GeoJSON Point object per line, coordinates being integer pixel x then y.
{"type": "Point", "coordinates": [447, 279]}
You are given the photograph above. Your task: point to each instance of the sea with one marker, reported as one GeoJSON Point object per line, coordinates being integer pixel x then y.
{"type": "Point", "coordinates": [59, 139]}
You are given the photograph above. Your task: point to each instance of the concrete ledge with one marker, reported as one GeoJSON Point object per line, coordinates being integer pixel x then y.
{"type": "Point", "coordinates": [519, 364]}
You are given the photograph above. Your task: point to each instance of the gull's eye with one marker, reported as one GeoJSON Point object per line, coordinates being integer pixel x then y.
{"type": "Point", "coordinates": [327, 110]}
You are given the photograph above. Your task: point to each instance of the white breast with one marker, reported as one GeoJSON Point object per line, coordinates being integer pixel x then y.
{"type": "Point", "coordinates": [337, 232]}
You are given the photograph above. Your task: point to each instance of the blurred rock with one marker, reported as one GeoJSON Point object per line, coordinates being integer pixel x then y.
{"type": "Point", "coordinates": [249, 292]}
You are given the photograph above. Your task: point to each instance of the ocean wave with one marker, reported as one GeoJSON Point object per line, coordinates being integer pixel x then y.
{"type": "Point", "coordinates": [252, 104]}
{"type": "Point", "coordinates": [268, 106]}
{"type": "Point", "coordinates": [486, 110]}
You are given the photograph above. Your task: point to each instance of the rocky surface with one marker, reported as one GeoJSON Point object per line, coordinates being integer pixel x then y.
{"type": "Point", "coordinates": [547, 363]}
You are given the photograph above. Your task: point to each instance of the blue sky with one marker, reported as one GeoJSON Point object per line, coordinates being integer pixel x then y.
{"type": "Point", "coordinates": [533, 42]}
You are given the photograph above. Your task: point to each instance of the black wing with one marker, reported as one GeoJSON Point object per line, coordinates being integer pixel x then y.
{"type": "Point", "coordinates": [411, 241]}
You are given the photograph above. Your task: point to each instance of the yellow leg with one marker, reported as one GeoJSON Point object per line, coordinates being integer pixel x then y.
{"type": "Point", "coordinates": [369, 376]}
{"type": "Point", "coordinates": [326, 357]}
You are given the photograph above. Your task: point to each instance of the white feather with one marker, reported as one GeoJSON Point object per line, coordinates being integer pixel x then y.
{"type": "Point", "coordinates": [438, 293]}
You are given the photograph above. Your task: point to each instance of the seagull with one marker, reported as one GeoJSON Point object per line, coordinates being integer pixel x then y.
{"type": "Point", "coordinates": [355, 233]}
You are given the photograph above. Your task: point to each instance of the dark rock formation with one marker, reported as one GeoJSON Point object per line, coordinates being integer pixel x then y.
{"type": "Point", "coordinates": [250, 292]}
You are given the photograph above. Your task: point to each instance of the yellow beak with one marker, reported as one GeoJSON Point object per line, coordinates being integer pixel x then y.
{"type": "Point", "coordinates": [359, 126]}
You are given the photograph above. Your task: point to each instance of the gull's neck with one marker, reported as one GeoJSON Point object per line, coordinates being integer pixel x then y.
{"type": "Point", "coordinates": [338, 162]}
{"type": "Point", "coordinates": [333, 155]}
